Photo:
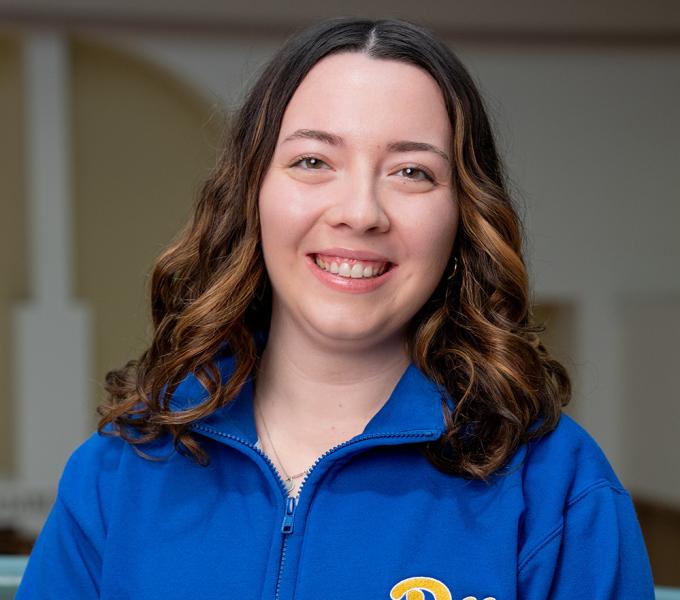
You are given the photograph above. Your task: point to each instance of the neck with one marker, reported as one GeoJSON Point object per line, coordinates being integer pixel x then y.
{"type": "Point", "coordinates": [315, 394]}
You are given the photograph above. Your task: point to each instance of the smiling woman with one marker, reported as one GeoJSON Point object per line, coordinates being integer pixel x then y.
{"type": "Point", "coordinates": [345, 395]}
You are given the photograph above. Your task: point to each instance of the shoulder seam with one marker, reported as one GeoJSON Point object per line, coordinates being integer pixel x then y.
{"type": "Point", "coordinates": [593, 486]}
{"type": "Point", "coordinates": [601, 483]}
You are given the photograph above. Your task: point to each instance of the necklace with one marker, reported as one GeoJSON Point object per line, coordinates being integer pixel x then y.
{"type": "Point", "coordinates": [289, 479]}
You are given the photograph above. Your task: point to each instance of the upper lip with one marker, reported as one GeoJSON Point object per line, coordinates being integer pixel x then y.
{"type": "Point", "coordinates": [356, 254]}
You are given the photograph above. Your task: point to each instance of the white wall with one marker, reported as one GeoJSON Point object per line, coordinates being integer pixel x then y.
{"type": "Point", "coordinates": [592, 138]}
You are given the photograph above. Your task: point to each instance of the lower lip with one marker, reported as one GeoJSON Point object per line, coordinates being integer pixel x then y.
{"type": "Point", "coordinates": [349, 284]}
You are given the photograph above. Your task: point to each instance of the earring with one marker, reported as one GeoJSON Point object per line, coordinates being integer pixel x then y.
{"type": "Point", "coordinates": [455, 269]}
{"type": "Point", "coordinates": [449, 278]}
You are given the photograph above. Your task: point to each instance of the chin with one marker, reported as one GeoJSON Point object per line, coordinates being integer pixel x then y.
{"type": "Point", "coordinates": [344, 330]}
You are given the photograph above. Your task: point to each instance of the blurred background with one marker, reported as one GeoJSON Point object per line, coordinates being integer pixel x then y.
{"type": "Point", "coordinates": [111, 114]}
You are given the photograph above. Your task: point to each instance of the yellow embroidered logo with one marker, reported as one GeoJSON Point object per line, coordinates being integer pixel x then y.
{"type": "Point", "coordinates": [413, 588]}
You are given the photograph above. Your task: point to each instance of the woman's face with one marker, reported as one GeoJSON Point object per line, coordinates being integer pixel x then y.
{"type": "Point", "coordinates": [361, 169]}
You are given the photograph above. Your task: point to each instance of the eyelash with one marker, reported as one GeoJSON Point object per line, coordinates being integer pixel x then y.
{"type": "Point", "coordinates": [428, 176]}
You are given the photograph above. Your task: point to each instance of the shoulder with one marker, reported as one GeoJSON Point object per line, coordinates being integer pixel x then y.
{"type": "Point", "coordinates": [93, 469]}
{"type": "Point", "coordinates": [563, 475]}
{"type": "Point", "coordinates": [98, 453]}
{"type": "Point", "coordinates": [570, 459]}
{"type": "Point", "coordinates": [578, 531]}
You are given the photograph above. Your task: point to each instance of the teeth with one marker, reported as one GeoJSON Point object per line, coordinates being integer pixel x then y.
{"type": "Point", "coordinates": [355, 271]}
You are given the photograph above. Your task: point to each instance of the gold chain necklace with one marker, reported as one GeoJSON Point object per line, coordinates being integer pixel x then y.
{"type": "Point", "coordinates": [289, 479]}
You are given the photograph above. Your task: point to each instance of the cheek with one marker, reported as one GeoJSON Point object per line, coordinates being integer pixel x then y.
{"type": "Point", "coordinates": [432, 234]}
{"type": "Point", "coordinates": [271, 208]}
{"type": "Point", "coordinates": [283, 216]}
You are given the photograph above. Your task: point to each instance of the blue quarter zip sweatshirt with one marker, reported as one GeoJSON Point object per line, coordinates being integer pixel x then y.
{"type": "Point", "coordinates": [374, 519]}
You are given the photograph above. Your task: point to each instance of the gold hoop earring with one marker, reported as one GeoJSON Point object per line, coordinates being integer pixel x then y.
{"type": "Point", "coordinates": [448, 279]}
{"type": "Point", "coordinates": [455, 269]}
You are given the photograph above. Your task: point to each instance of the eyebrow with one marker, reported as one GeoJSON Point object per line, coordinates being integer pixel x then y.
{"type": "Point", "coordinates": [335, 140]}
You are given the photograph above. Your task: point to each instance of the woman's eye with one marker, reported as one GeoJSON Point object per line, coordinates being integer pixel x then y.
{"type": "Point", "coordinates": [310, 162]}
{"type": "Point", "coordinates": [416, 174]}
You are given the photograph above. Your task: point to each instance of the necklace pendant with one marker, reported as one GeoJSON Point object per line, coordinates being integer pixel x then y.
{"type": "Point", "coordinates": [289, 484]}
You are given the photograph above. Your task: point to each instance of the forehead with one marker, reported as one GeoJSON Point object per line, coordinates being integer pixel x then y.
{"type": "Point", "coordinates": [354, 95]}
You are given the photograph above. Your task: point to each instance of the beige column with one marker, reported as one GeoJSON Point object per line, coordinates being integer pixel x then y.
{"type": "Point", "coordinates": [51, 336]}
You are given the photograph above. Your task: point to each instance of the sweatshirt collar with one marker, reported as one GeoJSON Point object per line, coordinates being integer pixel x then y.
{"type": "Point", "coordinates": [415, 404]}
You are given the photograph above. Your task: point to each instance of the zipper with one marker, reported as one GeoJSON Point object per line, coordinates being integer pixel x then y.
{"type": "Point", "coordinates": [362, 438]}
{"type": "Point", "coordinates": [291, 505]}
{"type": "Point", "coordinates": [240, 440]}
{"type": "Point", "coordinates": [291, 502]}
{"type": "Point", "coordinates": [287, 525]}
{"type": "Point", "coordinates": [286, 529]}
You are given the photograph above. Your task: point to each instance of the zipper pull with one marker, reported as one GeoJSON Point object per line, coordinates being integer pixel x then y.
{"type": "Point", "coordinates": [287, 526]}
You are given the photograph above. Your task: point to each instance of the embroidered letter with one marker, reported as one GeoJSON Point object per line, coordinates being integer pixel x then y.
{"type": "Point", "coordinates": [413, 588]}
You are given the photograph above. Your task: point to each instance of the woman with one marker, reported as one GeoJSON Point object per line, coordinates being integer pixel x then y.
{"type": "Point", "coordinates": [345, 396]}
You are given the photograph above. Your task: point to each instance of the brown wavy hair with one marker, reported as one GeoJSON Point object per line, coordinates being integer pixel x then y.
{"type": "Point", "coordinates": [474, 336]}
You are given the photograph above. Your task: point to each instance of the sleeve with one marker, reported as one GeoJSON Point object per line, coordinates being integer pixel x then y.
{"type": "Point", "coordinates": [66, 560]}
{"type": "Point", "coordinates": [596, 552]}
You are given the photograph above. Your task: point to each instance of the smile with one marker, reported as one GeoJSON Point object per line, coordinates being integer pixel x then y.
{"type": "Point", "coordinates": [351, 268]}
{"type": "Point", "coordinates": [352, 276]}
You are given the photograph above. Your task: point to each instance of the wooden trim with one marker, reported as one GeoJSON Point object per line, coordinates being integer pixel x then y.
{"type": "Point", "coordinates": [660, 525]}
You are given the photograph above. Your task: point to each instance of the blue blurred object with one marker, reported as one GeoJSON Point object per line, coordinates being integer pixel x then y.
{"type": "Point", "coordinates": [11, 570]}
{"type": "Point", "coordinates": [666, 593]}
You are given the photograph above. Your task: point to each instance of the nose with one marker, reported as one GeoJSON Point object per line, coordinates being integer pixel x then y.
{"type": "Point", "coordinates": [358, 204]}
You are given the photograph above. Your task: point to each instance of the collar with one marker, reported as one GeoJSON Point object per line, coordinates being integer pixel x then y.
{"type": "Point", "coordinates": [415, 404]}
